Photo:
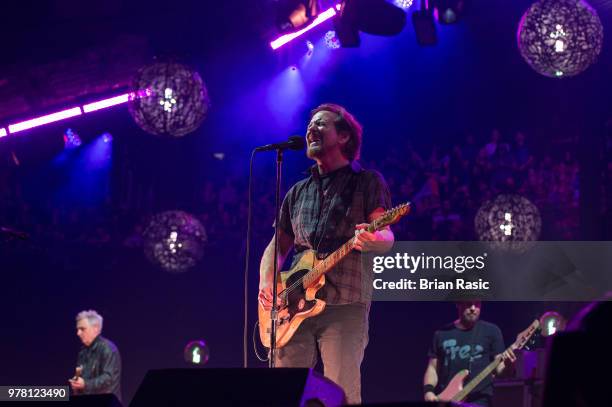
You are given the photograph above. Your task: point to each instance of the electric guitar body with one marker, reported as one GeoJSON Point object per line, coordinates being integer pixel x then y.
{"type": "Point", "coordinates": [296, 306]}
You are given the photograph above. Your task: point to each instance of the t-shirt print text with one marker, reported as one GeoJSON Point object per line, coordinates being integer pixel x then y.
{"type": "Point", "coordinates": [453, 351]}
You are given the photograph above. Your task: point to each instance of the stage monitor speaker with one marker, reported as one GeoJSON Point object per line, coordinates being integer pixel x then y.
{"type": "Point", "coordinates": [94, 400]}
{"type": "Point", "coordinates": [237, 387]}
{"type": "Point", "coordinates": [86, 400]}
{"type": "Point", "coordinates": [413, 404]}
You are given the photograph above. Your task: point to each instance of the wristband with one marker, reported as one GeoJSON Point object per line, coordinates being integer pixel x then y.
{"type": "Point", "coordinates": [428, 388]}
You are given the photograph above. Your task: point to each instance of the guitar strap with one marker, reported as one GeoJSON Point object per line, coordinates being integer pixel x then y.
{"type": "Point", "coordinates": [473, 346]}
{"type": "Point", "coordinates": [336, 190]}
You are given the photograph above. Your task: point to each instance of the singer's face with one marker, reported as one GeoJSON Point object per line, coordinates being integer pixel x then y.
{"type": "Point", "coordinates": [321, 135]}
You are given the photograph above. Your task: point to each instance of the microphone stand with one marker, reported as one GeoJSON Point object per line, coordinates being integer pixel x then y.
{"type": "Point", "coordinates": [274, 309]}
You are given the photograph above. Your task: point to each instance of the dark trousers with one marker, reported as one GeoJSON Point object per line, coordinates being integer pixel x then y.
{"type": "Point", "coordinates": [340, 333]}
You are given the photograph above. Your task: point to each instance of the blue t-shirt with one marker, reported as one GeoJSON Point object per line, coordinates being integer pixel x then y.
{"type": "Point", "coordinates": [457, 349]}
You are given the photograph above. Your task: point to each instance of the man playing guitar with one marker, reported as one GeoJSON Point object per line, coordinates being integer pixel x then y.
{"type": "Point", "coordinates": [467, 344]}
{"type": "Point", "coordinates": [320, 214]}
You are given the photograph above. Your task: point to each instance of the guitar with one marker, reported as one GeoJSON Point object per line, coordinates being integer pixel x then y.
{"type": "Point", "coordinates": [78, 371]}
{"type": "Point", "coordinates": [297, 287]}
{"type": "Point", "coordinates": [455, 391]}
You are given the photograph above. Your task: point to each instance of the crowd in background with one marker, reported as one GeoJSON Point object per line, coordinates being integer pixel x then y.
{"type": "Point", "coordinates": [447, 186]}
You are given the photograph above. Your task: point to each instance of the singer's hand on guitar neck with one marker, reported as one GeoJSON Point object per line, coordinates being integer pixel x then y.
{"type": "Point", "coordinates": [377, 242]}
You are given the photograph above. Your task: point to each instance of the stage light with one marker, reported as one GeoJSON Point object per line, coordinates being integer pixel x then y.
{"type": "Point", "coordinates": [376, 17]}
{"type": "Point", "coordinates": [324, 16]}
{"type": "Point", "coordinates": [405, 4]}
{"type": "Point", "coordinates": [42, 120]}
{"type": "Point", "coordinates": [331, 40]}
{"type": "Point", "coordinates": [107, 137]}
{"type": "Point", "coordinates": [105, 103]}
{"type": "Point", "coordinates": [551, 323]}
{"type": "Point", "coordinates": [449, 11]}
{"type": "Point", "coordinates": [174, 241]}
{"type": "Point", "coordinates": [560, 38]}
{"type": "Point", "coordinates": [71, 139]}
{"type": "Point", "coordinates": [294, 14]}
{"type": "Point", "coordinates": [196, 353]}
{"type": "Point", "coordinates": [310, 47]}
{"type": "Point", "coordinates": [508, 222]}
{"type": "Point", "coordinates": [76, 111]}
{"type": "Point", "coordinates": [178, 101]}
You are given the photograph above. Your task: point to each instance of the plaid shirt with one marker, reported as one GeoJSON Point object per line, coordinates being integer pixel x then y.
{"type": "Point", "coordinates": [320, 213]}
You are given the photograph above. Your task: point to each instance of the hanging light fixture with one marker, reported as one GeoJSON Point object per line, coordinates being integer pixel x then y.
{"type": "Point", "coordinates": [169, 99]}
{"type": "Point", "coordinates": [560, 38]}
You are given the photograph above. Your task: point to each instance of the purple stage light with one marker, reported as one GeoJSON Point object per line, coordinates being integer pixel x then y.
{"type": "Point", "coordinates": [331, 40]}
{"type": "Point", "coordinates": [310, 47]}
{"type": "Point", "coordinates": [75, 111]}
{"type": "Point", "coordinates": [39, 121]}
{"type": "Point", "coordinates": [324, 16]}
{"type": "Point", "coordinates": [405, 4]}
{"type": "Point", "coordinates": [104, 103]}
{"type": "Point", "coordinates": [107, 137]}
{"type": "Point", "coordinates": [71, 139]}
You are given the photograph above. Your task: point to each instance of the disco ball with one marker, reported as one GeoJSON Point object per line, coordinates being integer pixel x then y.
{"type": "Point", "coordinates": [560, 38]}
{"type": "Point", "coordinates": [510, 220]}
{"type": "Point", "coordinates": [169, 99]}
{"type": "Point", "coordinates": [196, 353]}
{"type": "Point", "coordinates": [174, 241]}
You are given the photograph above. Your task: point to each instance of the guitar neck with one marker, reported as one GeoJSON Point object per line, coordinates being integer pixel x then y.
{"type": "Point", "coordinates": [476, 380]}
{"type": "Point", "coordinates": [330, 261]}
{"type": "Point", "coordinates": [389, 217]}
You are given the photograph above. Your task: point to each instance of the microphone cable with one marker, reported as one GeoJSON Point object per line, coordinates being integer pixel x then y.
{"type": "Point", "coordinates": [247, 256]}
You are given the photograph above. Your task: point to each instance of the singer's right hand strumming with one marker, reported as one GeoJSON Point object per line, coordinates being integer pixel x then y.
{"type": "Point", "coordinates": [266, 268]}
{"type": "Point", "coordinates": [265, 297]}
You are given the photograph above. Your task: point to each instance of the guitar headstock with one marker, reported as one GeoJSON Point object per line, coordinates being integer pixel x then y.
{"type": "Point", "coordinates": [391, 216]}
{"type": "Point", "coordinates": [526, 338]}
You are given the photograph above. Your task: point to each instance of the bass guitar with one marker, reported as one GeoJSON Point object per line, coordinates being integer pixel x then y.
{"type": "Point", "coordinates": [298, 287]}
{"type": "Point", "coordinates": [455, 391]}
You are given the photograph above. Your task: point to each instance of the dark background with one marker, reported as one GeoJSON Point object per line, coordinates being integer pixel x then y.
{"type": "Point", "coordinates": [474, 80]}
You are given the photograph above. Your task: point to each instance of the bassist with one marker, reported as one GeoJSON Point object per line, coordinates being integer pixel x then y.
{"type": "Point", "coordinates": [321, 213]}
{"type": "Point", "coordinates": [467, 343]}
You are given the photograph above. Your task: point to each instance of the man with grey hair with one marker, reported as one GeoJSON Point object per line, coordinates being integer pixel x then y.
{"type": "Point", "coordinates": [99, 358]}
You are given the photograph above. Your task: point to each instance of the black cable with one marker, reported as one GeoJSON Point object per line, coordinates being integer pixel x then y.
{"type": "Point", "coordinates": [245, 334]}
{"type": "Point", "coordinates": [262, 359]}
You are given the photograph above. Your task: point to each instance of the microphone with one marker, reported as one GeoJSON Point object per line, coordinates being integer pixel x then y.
{"type": "Point", "coordinates": [294, 143]}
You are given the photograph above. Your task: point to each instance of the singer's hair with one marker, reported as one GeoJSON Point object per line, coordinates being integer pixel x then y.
{"type": "Point", "coordinates": [92, 317]}
{"type": "Point", "coordinates": [345, 122]}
